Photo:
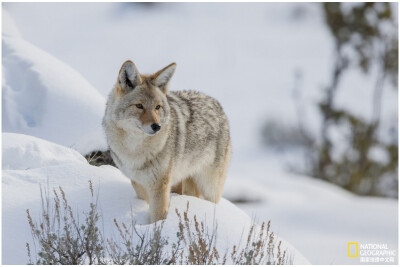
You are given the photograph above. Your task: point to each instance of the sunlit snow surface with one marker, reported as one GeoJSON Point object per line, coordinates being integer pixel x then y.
{"type": "Point", "coordinates": [48, 165]}
{"type": "Point", "coordinates": [245, 55]}
{"type": "Point", "coordinates": [44, 97]}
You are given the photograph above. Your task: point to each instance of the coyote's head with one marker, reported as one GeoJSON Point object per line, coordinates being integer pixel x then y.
{"type": "Point", "coordinates": [140, 100]}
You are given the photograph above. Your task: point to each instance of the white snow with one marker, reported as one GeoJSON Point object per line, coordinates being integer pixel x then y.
{"type": "Point", "coordinates": [36, 153]}
{"type": "Point", "coordinates": [249, 67]}
{"type": "Point", "coordinates": [379, 154]}
{"type": "Point", "coordinates": [50, 165]}
{"type": "Point", "coordinates": [246, 55]}
{"type": "Point", "coordinates": [318, 218]}
{"type": "Point", "coordinates": [44, 97]}
{"type": "Point", "coordinates": [8, 26]}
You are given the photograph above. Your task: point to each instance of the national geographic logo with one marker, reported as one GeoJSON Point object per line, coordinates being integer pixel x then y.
{"type": "Point", "coordinates": [371, 253]}
{"type": "Point", "coordinates": [352, 249]}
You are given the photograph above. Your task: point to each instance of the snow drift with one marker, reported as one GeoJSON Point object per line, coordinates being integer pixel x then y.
{"type": "Point", "coordinates": [317, 217]}
{"type": "Point", "coordinates": [49, 165]}
{"type": "Point", "coordinates": [44, 97]}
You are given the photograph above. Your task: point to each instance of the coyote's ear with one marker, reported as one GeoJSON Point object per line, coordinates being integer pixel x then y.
{"type": "Point", "coordinates": [129, 76]}
{"type": "Point", "coordinates": [162, 77]}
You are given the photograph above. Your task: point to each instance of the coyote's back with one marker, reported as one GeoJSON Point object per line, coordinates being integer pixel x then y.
{"type": "Point", "coordinates": [201, 132]}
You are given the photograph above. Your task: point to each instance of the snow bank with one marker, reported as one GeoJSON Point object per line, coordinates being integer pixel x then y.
{"type": "Point", "coordinates": [50, 165]}
{"type": "Point", "coordinates": [22, 152]}
{"type": "Point", "coordinates": [44, 97]}
{"type": "Point", "coordinates": [8, 26]}
{"type": "Point", "coordinates": [317, 217]}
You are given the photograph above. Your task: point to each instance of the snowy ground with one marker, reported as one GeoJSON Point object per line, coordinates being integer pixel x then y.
{"type": "Point", "coordinates": [30, 163]}
{"type": "Point", "coordinates": [316, 217]}
{"type": "Point", "coordinates": [245, 55]}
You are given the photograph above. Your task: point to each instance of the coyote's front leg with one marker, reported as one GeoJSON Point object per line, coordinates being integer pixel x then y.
{"type": "Point", "coordinates": [159, 200]}
{"type": "Point", "coordinates": [140, 191]}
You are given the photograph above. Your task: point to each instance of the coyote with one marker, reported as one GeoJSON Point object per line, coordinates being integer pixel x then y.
{"type": "Point", "coordinates": [162, 140]}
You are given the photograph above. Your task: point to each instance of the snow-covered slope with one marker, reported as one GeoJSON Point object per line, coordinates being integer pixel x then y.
{"type": "Point", "coordinates": [250, 67]}
{"type": "Point", "coordinates": [36, 153]}
{"type": "Point", "coordinates": [317, 217]}
{"type": "Point", "coordinates": [250, 56]}
{"type": "Point", "coordinates": [49, 165]}
{"type": "Point", "coordinates": [8, 26]}
{"type": "Point", "coordinates": [44, 97]}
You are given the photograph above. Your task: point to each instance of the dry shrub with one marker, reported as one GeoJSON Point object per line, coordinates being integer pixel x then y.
{"type": "Point", "coordinates": [62, 239]}
{"type": "Point", "coordinates": [258, 249]}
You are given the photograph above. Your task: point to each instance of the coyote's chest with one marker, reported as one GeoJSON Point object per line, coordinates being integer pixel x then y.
{"type": "Point", "coordinates": [137, 159]}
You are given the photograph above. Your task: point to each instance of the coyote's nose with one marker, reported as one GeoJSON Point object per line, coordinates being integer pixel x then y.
{"type": "Point", "coordinates": [155, 127]}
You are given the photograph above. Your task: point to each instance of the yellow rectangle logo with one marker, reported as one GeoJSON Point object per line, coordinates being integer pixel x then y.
{"type": "Point", "coordinates": [348, 249]}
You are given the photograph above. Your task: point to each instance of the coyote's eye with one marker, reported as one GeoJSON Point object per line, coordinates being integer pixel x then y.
{"type": "Point", "coordinates": [158, 107]}
{"type": "Point", "coordinates": [139, 106]}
